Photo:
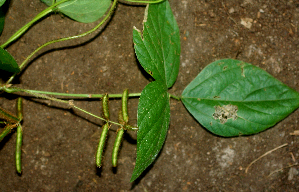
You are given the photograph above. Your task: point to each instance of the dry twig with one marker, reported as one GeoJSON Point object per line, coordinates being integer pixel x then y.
{"type": "Point", "coordinates": [267, 153]}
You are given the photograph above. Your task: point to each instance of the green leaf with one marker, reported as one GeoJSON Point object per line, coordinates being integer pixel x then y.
{"type": "Point", "coordinates": [84, 11]}
{"type": "Point", "coordinates": [231, 98]}
{"type": "Point", "coordinates": [7, 62]}
{"type": "Point", "coordinates": [2, 2]}
{"type": "Point", "coordinates": [153, 122]}
{"type": "Point", "coordinates": [158, 50]}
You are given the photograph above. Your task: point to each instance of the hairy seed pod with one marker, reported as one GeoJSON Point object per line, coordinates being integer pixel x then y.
{"type": "Point", "coordinates": [101, 145]}
{"type": "Point", "coordinates": [6, 130]}
{"type": "Point", "coordinates": [124, 105]}
{"type": "Point", "coordinates": [9, 117]}
{"type": "Point", "coordinates": [19, 149]}
{"type": "Point", "coordinates": [106, 107]}
{"type": "Point", "coordinates": [116, 146]}
{"type": "Point", "coordinates": [19, 139]}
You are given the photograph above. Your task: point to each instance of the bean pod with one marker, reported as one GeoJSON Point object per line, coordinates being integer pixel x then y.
{"type": "Point", "coordinates": [19, 139]}
{"type": "Point", "coordinates": [101, 145]}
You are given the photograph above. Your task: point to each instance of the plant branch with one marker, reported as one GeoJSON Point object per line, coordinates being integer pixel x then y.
{"type": "Point", "coordinates": [65, 39]}
{"type": "Point", "coordinates": [71, 95]}
{"type": "Point", "coordinates": [28, 25]}
{"type": "Point", "coordinates": [39, 94]}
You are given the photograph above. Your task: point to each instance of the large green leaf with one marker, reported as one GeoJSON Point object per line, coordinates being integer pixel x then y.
{"type": "Point", "coordinates": [7, 62]}
{"type": "Point", "coordinates": [85, 11]}
{"type": "Point", "coordinates": [153, 122]}
{"type": "Point", "coordinates": [231, 98]}
{"type": "Point", "coordinates": [2, 2]}
{"type": "Point", "coordinates": [158, 49]}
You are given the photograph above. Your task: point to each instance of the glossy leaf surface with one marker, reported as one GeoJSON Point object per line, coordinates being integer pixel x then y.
{"type": "Point", "coordinates": [231, 98]}
{"type": "Point", "coordinates": [153, 123]}
{"type": "Point", "coordinates": [158, 47]}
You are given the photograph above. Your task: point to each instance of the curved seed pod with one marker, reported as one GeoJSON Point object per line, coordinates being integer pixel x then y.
{"type": "Point", "coordinates": [19, 139]}
{"type": "Point", "coordinates": [102, 145]}
{"type": "Point", "coordinates": [124, 106]}
{"type": "Point", "coordinates": [106, 107]}
{"type": "Point", "coordinates": [116, 146]}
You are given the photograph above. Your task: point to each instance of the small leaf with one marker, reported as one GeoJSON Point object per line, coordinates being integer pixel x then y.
{"type": "Point", "coordinates": [153, 122]}
{"type": "Point", "coordinates": [158, 51]}
{"type": "Point", "coordinates": [2, 2]}
{"type": "Point", "coordinates": [231, 98]}
{"type": "Point", "coordinates": [7, 62]}
{"type": "Point", "coordinates": [84, 11]}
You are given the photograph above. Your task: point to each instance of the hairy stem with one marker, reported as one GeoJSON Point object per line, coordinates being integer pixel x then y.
{"type": "Point", "coordinates": [28, 25]}
{"type": "Point", "coordinates": [65, 39]}
{"type": "Point", "coordinates": [69, 95]}
{"type": "Point", "coordinates": [70, 103]}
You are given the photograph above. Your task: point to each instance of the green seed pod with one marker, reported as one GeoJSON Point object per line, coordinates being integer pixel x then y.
{"type": "Point", "coordinates": [6, 130]}
{"type": "Point", "coordinates": [124, 106]}
{"type": "Point", "coordinates": [106, 107]}
{"type": "Point", "coordinates": [19, 149]}
{"type": "Point", "coordinates": [11, 118]}
{"type": "Point", "coordinates": [101, 145]}
{"type": "Point", "coordinates": [19, 139]}
{"type": "Point", "coordinates": [116, 146]}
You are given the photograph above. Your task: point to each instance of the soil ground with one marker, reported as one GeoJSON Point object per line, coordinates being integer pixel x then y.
{"type": "Point", "coordinates": [59, 145]}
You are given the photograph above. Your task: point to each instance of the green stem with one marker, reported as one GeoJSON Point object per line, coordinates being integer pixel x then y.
{"type": "Point", "coordinates": [70, 103]}
{"type": "Point", "coordinates": [28, 25]}
{"type": "Point", "coordinates": [65, 39]}
{"type": "Point", "coordinates": [11, 90]}
{"type": "Point", "coordinates": [174, 97]}
{"type": "Point", "coordinates": [148, 2]}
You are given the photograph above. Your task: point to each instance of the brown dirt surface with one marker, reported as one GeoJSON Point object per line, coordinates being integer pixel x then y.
{"type": "Point", "coordinates": [59, 145]}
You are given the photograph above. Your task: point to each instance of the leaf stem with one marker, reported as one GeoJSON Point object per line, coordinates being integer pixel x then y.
{"type": "Point", "coordinates": [174, 97]}
{"type": "Point", "coordinates": [148, 2]}
{"type": "Point", "coordinates": [28, 25]}
{"type": "Point", "coordinates": [65, 39]}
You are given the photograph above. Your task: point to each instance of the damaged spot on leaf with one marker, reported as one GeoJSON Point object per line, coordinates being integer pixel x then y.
{"type": "Point", "coordinates": [225, 112]}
